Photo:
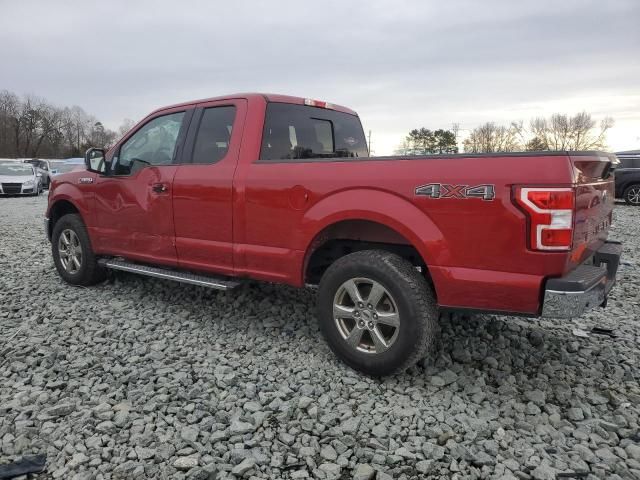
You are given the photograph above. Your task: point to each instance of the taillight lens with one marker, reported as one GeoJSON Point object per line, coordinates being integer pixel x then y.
{"type": "Point", "coordinates": [550, 214]}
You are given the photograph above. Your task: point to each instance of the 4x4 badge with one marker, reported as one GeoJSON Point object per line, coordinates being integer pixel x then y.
{"type": "Point", "coordinates": [443, 190]}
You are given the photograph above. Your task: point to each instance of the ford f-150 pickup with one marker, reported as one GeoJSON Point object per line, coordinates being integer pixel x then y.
{"type": "Point", "coordinates": [282, 189]}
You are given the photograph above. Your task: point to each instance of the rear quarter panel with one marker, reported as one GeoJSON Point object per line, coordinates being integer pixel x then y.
{"type": "Point", "coordinates": [468, 244]}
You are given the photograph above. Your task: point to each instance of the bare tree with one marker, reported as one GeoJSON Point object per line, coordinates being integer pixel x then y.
{"type": "Point", "coordinates": [32, 127]}
{"type": "Point", "coordinates": [562, 132]}
{"type": "Point", "coordinates": [489, 138]}
{"type": "Point", "coordinates": [127, 124]}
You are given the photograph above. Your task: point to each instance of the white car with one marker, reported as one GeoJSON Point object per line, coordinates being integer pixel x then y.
{"type": "Point", "coordinates": [19, 179]}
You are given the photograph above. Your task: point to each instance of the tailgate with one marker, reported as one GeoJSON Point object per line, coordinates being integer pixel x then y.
{"type": "Point", "coordinates": [595, 194]}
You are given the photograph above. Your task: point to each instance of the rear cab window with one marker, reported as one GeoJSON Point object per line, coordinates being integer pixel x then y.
{"type": "Point", "coordinates": [294, 132]}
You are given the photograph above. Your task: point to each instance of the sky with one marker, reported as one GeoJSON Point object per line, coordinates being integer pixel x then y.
{"type": "Point", "coordinates": [399, 64]}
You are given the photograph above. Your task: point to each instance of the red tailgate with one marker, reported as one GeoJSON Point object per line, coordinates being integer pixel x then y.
{"type": "Point", "coordinates": [594, 202]}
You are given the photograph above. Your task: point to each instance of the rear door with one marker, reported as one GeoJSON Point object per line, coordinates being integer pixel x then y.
{"type": "Point", "coordinates": [203, 187]}
{"type": "Point", "coordinates": [133, 204]}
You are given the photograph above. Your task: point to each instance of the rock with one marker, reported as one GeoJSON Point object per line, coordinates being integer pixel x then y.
{"type": "Point", "coordinates": [286, 438]}
{"type": "Point", "coordinates": [536, 396]}
{"type": "Point", "coordinates": [76, 460]}
{"type": "Point", "coordinates": [186, 463]}
{"type": "Point", "coordinates": [240, 428]}
{"type": "Point", "coordinates": [61, 410]}
{"type": "Point", "coordinates": [145, 453]}
{"type": "Point", "coordinates": [364, 472]}
{"type": "Point", "coordinates": [351, 425]}
{"type": "Point", "coordinates": [379, 431]}
{"type": "Point", "coordinates": [304, 402]}
{"type": "Point", "coordinates": [536, 338]}
{"type": "Point", "coordinates": [575, 414]}
{"type": "Point", "coordinates": [633, 450]}
{"type": "Point", "coordinates": [190, 434]}
{"type": "Point", "coordinates": [424, 466]}
{"type": "Point", "coordinates": [433, 452]}
{"type": "Point", "coordinates": [243, 467]}
{"type": "Point", "coordinates": [544, 472]}
{"type": "Point", "coordinates": [328, 453]}
{"type": "Point", "coordinates": [331, 470]}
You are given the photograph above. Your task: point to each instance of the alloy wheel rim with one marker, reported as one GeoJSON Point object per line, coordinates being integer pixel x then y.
{"type": "Point", "coordinates": [366, 315]}
{"type": "Point", "coordinates": [70, 251]}
{"type": "Point", "coordinates": [634, 195]}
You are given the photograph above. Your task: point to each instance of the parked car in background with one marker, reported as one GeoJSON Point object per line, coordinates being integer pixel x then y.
{"type": "Point", "coordinates": [19, 179]}
{"type": "Point", "coordinates": [43, 167]}
{"type": "Point", "coordinates": [628, 177]}
{"type": "Point", "coordinates": [65, 166]}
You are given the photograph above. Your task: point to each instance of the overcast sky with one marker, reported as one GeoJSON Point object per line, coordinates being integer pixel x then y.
{"type": "Point", "coordinates": [400, 64]}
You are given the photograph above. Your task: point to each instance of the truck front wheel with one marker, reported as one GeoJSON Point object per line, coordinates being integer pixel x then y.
{"type": "Point", "coordinates": [72, 252]}
{"type": "Point", "coordinates": [377, 312]}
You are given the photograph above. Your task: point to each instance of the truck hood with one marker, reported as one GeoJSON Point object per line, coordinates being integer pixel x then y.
{"type": "Point", "coordinates": [16, 178]}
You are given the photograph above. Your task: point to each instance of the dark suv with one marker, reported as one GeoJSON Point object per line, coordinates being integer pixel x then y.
{"type": "Point", "coordinates": [628, 177]}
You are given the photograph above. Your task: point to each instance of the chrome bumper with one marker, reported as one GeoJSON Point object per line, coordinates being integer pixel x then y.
{"type": "Point", "coordinates": [585, 287]}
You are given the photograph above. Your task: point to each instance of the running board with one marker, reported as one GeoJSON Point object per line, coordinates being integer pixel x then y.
{"type": "Point", "coordinates": [157, 272]}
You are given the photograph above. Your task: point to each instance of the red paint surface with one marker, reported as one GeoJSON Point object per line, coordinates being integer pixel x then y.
{"type": "Point", "coordinates": [245, 218]}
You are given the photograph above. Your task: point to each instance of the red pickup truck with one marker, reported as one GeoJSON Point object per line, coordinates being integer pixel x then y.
{"type": "Point", "coordinates": [282, 189]}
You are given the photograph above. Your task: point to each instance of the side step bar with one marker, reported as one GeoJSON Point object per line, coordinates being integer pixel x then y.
{"type": "Point", "coordinates": [157, 272]}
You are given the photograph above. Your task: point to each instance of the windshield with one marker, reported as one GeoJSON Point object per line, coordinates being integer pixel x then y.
{"type": "Point", "coordinates": [299, 131]}
{"type": "Point", "coordinates": [37, 163]}
{"type": "Point", "coordinates": [65, 167]}
{"type": "Point", "coordinates": [17, 169]}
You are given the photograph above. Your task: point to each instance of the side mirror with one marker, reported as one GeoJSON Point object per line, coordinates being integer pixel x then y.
{"type": "Point", "coordinates": [95, 161]}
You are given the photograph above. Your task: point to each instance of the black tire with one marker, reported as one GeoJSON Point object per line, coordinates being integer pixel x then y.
{"type": "Point", "coordinates": [631, 193]}
{"type": "Point", "coordinates": [89, 272]}
{"type": "Point", "coordinates": [409, 293]}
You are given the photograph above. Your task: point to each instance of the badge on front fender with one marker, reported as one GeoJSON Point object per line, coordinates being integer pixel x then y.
{"type": "Point", "coordinates": [443, 190]}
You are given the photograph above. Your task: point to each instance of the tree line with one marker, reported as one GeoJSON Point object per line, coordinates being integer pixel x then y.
{"type": "Point", "coordinates": [32, 127]}
{"type": "Point", "coordinates": [558, 132]}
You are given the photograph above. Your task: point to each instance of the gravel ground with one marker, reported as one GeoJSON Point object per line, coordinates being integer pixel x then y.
{"type": "Point", "coordinates": [142, 378]}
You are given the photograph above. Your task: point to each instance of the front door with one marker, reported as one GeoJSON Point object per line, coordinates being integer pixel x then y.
{"type": "Point", "coordinates": [133, 204]}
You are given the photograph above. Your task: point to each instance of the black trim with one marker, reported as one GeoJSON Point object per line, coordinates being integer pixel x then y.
{"type": "Point", "coordinates": [190, 137]}
{"type": "Point", "coordinates": [590, 153]}
{"type": "Point", "coordinates": [479, 311]}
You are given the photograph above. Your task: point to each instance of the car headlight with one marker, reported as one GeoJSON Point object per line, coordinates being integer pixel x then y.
{"type": "Point", "coordinates": [29, 183]}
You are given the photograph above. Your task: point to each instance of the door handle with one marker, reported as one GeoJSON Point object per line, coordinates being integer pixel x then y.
{"type": "Point", "coordinates": [159, 188]}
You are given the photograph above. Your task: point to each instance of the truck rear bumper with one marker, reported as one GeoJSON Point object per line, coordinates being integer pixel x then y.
{"type": "Point", "coordinates": [585, 287]}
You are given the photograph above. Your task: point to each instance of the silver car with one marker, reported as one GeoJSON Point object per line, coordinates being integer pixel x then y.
{"type": "Point", "coordinates": [19, 179]}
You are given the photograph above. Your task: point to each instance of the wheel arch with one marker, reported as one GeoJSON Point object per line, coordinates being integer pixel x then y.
{"type": "Point", "coordinates": [60, 208]}
{"type": "Point", "coordinates": [381, 219]}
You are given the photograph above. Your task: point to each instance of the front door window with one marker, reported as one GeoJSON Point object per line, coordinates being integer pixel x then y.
{"type": "Point", "coordinates": [154, 144]}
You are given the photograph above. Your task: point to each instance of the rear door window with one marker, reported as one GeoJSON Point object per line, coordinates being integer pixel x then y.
{"type": "Point", "coordinates": [302, 132]}
{"type": "Point", "coordinates": [214, 134]}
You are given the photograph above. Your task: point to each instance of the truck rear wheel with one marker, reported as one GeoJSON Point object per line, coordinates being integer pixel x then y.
{"type": "Point", "coordinates": [377, 312]}
{"type": "Point", "coordinates": [72, 252]}
{"type": "Point", "coordinates": [631, 195]}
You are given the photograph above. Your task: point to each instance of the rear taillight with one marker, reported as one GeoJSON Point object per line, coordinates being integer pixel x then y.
{"type": "Point", "coordinates": [550, 215]}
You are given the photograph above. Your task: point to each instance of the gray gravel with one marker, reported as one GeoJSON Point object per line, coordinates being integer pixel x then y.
{"type": "Point", "coordinates": [142, 378]}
